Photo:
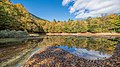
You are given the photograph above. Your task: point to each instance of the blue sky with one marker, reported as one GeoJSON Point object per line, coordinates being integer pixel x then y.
{"type": "Point", "coordinates": [73, 9]}
{"type": "Point", "coordinates": [92, 8]}
{"type": "Point", "coordinates": [47, 9]}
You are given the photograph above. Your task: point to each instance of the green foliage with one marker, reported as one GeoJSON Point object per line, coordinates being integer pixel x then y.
{"type": "Point", "coordinates": [13, 34]}
{"type": "Point", "coordinates": [109, 23]}
{"type": "Point", "coordinates": [16, 17]}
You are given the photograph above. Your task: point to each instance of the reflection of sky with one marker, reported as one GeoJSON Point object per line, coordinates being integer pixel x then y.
{"type": "Point", "coordinates": [91, 54]}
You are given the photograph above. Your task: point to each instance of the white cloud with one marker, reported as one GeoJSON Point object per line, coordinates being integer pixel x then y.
{"type": "Point", "coordinates": [65, 2]}
{"type": "Point", "coordinates": [92, 8]}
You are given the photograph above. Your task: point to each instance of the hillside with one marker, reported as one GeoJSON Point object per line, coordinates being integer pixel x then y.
{"type": "Point", "coordinates": [16, 17]}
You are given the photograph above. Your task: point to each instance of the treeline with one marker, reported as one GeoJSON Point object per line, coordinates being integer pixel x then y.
{"type": "Point", "coordinates": [16, 17]}
{"type": "Point", "coordinates": [109, 23]}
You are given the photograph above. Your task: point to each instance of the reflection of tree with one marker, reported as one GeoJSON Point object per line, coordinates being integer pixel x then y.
{"type": "Point", "coordinates": [98, 44]}
{"type": "Point", "coordinates": [103, 45]}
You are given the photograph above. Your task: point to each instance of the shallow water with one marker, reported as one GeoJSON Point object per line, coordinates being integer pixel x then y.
{"type": "Point", "coordinates": [15, 52]}
{"type": "Point", "coordinates": [87, 54]}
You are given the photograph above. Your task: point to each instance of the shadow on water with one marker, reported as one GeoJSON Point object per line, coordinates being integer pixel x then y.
{"type": "Point", "coordinates": [19, 51]}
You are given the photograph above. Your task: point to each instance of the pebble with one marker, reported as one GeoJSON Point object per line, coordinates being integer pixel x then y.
{"type": "Point", "coordinates": [56, 57]}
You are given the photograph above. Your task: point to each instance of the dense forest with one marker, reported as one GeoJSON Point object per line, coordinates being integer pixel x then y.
{"type": "Point", "coordinates": [109, 23]}
{"type": "Point", "coordinates": [16, 17]}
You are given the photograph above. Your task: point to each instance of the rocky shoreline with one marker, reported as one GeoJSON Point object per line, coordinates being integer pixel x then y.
{"type": "Point", "coordinates": [56, 57]}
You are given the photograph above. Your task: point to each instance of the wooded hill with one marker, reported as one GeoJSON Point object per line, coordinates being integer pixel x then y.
{"type": "Point", "coordinates": [16, 17]}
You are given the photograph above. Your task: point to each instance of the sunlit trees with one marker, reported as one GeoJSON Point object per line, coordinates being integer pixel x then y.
{"type": "Point", "coordinates": [7, 20]}
{"type": "Point", "coordinates": [115, 22]}
{"type": "Point", "coordinates": [81, 26]}
{"type": "Point", "coordinates": [5, 0]}
{"type": "Point", "coordinates": [16, 17]}
{"type": "Point", "coordinates": [109, 23]}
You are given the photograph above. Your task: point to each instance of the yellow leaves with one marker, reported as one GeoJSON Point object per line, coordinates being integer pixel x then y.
{"type": "Point", "coordinates": [110, 48]}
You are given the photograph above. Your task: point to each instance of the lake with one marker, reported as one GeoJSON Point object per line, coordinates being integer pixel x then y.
{"type": "Point", "coordinates": [16, 51]}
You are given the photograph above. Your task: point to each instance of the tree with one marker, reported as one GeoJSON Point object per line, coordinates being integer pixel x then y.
{"type": "Point", "coordinates": [5, 0]}
{"type": "Point", "coordinates": [54, 20]}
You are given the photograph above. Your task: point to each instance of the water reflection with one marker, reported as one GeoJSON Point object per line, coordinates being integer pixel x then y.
{"type": "Point", "coordinates": [17, 51]}
{"type": "Point", "coordinates": [104, 45]}
{"type": "Point", "coordinates": [87, 54]}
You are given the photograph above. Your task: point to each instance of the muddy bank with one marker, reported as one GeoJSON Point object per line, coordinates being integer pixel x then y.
{"type": "Point", "coordinates": [56, 57]}
{"type": "Point", "coordinates": [86, 34]}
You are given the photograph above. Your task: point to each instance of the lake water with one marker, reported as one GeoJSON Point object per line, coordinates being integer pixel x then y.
{"type": "Point", "coordinates": [16, 52]}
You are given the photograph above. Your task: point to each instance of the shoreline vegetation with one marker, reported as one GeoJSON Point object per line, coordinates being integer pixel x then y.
{"type": "Point", "coordinates": [13, 34]}
{"type": "Point", "coordinates": [16, 17]}
{"type": "Point", "coordinates": [23, 34]}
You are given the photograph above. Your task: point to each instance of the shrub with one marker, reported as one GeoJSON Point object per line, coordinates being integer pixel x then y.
{"type": "Point", "coordinates": [13, 34]}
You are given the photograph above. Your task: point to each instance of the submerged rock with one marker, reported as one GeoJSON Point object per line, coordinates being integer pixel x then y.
{"type": "Point", "coordinates": [56, 57]}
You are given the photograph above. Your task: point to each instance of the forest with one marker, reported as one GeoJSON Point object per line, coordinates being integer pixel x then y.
{"type": "Point", "coordinates": [16, 17]}
{"type": "Point", "coordinates": [30, 41]}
